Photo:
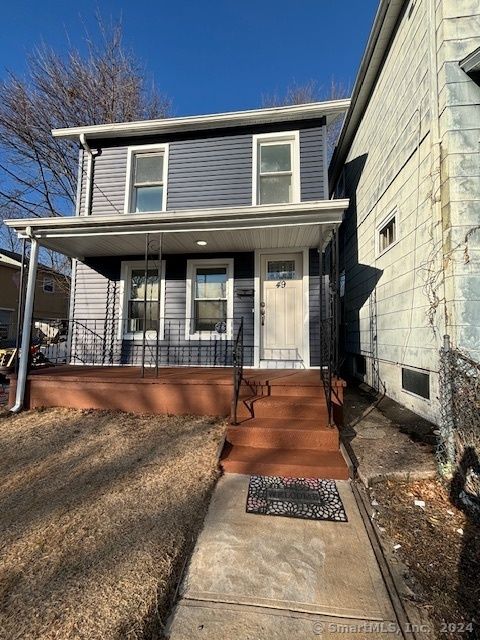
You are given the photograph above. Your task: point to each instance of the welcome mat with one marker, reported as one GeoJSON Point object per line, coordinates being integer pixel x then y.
{"type": "Point", "coordinates": [308, 498]}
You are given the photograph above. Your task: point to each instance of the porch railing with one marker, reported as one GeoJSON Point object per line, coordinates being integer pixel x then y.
{"type": "Point", "coordinates": [237, 371]}
{"type": "Point", "coordinates": [123, 341]}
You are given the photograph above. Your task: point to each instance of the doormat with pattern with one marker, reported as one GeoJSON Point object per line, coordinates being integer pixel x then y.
{"type": "Point", "coordinates": [308, 498]}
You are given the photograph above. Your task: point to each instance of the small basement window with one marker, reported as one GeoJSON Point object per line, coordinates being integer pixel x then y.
{"type": "Point", "coordinates": [417, 382]}
{"type": "Point", "coordinates": [48, 284]}
{"type": "Point", "coordinates": [387, 234]}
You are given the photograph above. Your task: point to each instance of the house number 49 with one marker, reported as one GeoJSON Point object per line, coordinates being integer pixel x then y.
{"type": "Point", "coordinates": [282, 284]}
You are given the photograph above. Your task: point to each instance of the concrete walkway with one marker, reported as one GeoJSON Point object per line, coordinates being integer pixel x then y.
{"type": "Point", "coordinates": [265, 577]}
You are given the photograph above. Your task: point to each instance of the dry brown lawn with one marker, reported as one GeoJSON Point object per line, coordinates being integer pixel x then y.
{"type": "Point", "coordinates": [98, 513]}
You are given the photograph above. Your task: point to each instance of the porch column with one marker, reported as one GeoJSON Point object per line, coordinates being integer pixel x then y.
{"type": "Point", "coordinates": [27, 326]}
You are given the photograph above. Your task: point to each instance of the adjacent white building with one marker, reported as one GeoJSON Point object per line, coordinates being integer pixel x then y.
{"type": "Point", "coordinates": [408, 158]}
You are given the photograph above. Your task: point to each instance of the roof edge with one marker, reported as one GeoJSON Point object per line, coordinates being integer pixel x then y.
{"type": "Point", "coordinates": [379, 40]}
{"type": "Point", "coordinates": [208, 121]}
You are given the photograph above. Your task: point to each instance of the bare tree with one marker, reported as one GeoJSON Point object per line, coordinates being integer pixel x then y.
{"type": "Point", "coordinates": [308, 92]}
{"type": "Point", "coordinates": [38, 173]}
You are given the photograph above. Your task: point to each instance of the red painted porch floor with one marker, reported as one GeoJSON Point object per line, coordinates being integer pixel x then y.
{"type": "Point", "coordinates": [282, 414]}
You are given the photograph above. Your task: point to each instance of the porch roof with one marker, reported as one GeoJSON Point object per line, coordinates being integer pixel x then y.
{"type": "Point", "coordinates": [305, 224]}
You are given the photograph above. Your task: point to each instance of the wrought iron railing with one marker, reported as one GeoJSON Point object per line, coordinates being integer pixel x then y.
{"type": "Point", "coordinates": [238, 362]}
{"type": "Point", "coordinates": [117, 341]}
{"type": "Point", "coordinates": [329, 317]}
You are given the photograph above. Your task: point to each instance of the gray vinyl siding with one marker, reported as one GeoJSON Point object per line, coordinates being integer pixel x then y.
{"type": "Point", "coordinates": [312, 164]}
{"type": "Point", "coordinates": [210, 173]}
{"type": "Point", "coordinates": [214, 171]}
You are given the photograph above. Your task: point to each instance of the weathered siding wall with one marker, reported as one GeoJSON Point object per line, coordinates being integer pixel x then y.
{"type": "Point", "coordinates": [459, 103]}
{"type": "Point", "coordinates": [389, 167]}
{"type": "Point", "coordinates": [205, 172]}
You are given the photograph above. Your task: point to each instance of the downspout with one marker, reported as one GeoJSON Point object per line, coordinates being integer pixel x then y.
{"type": "Point", "coordinates": [27, 325]}
{"type": "Point", "coordinates": [88, 190]}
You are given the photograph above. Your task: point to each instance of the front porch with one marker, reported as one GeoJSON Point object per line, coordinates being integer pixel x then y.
{"type": "Point", "coordinates": [279, 419]}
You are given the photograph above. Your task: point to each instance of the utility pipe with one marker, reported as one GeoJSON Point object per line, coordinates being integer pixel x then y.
{"type": "Point", "coordinates": [88, 190]}
{"type": "Point", "coordinates": [27, 325]}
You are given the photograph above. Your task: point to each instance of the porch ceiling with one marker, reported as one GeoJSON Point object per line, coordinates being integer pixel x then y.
{"type": "Point", "coordinates": [234, 229]}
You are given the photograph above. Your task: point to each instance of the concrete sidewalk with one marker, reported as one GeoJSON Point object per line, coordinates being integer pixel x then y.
{"type": "Point", "coordinates": [265, 577]}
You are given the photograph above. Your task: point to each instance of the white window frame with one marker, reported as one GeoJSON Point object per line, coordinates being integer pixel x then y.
{"type": "Point", "coordinates": [52, 280]}
{"type": "Point", "coordinates": [131, 154]}
{"type": "Point", "coordinates": [380, 227]}
{"type": "Point", "coordinates": [192, 266]}
{"type": "Point", "coordinates": [125, 282]}
{"type": "Point", "coordinates": [293, 137]}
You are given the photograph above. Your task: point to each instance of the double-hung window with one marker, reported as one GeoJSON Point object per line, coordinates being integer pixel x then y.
{"type": "Point", "coordinates": [146, 187]}
{"type": "Point", "coordinates": [387, 233]}
{"type": "Point", "coordinates": [143, 299]}
{"type": "Point", "coordinates": [276, 169]}
{"type": "Point", "coordinates": [209, 298]}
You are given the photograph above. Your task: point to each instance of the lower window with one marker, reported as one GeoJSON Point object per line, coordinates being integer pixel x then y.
{"type": "Point", "coordinates": [209, 298]}
{"type": "Point", "coordinates": [143, 301]}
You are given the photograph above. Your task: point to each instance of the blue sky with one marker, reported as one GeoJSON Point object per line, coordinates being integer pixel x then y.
{"type": "Point", "coordinates": [208, 55]}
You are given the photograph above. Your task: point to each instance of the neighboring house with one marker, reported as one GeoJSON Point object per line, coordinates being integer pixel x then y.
{"type": "Point", "coordinates": [408, 159]}
{"type": "Point", "coordinates": [224, 216]}
{"type": "Point", "coordinates": [51, 293]}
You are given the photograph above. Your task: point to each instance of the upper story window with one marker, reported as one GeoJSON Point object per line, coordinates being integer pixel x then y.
{"type": "Point", "coordinates": [276, 168]}
{"type": "Point", "coordinates": [387, 233]}
{"type": "Point", "coordinates": [146, 179]}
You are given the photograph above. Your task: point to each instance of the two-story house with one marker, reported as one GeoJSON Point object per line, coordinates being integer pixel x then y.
{"type": "Point", "coordinates": [196, 244]}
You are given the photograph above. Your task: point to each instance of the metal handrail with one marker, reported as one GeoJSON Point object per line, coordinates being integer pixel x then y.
{"type": "Point", "coordinates": [237, 371]}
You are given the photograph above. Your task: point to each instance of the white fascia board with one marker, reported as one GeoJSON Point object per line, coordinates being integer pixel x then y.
{"type": "Point", "coordinates": [328, 109]}
{"type": "Point", "coordinates": [206, 216]}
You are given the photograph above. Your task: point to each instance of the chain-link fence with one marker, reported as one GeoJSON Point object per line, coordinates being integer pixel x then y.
{"type": "Point", "coordinates": [459, 448]}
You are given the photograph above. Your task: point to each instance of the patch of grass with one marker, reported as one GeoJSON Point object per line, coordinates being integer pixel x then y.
{"type": "Point", "coordinates": [99, 512]}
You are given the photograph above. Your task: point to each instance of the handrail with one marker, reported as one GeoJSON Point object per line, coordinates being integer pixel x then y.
{"type": "Point", "coordinates": [237, 357]}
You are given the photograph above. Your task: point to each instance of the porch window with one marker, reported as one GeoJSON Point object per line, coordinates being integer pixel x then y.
{"type": "Point", "coordinates": [276, 171]}
{"type": "Point", "coordinates": [146, 190]}
{"type": "Point", "coordinates": [141, 312]}
{"type": "Point", "coordinates": [209, 298]}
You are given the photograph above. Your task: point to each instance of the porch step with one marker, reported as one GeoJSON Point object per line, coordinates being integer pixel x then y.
{"type": "Point", "coordinates": [285, 462]}
{"type": "Point", "coordinates": [300, 407]}
{"type": "Point", "coordinates": [283, 433]}
{"type": "Point", "coordinates": [282, 390]}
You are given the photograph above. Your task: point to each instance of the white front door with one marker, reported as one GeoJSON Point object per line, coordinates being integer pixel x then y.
{"type": "Point", "coordinates": [281, 308]}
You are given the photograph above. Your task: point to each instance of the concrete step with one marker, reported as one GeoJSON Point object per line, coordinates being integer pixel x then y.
{"type": "Point", "coordinates": [309, 407]}
{"type": "Point", "coordinates": [283, 433]}
{"type": "Point", "coordinates": [281, 462]}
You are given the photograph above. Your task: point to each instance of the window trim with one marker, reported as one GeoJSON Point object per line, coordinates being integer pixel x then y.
{"type": "Point", "coordinates": [293, 137]}
{"type": "Point", "coordinates": [192, 265]}
{"type": "Point", "coordinates": [379, 228]}
{"type": "Point", "coordinates": [132, 152]}
{"type": "Point", "coordinates": [125, 273]}
{"type": "Point", "coordinates": [52, 279]}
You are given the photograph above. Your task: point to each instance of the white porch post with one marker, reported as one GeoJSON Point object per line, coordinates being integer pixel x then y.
{"type": "Point", "coordinates": [26, 330]}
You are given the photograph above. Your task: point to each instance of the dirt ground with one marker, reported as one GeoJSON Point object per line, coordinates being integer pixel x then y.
{"type": "Point", "coordinates": [99, 513]}
{"type": "Point", "coordinates": [440, 546]}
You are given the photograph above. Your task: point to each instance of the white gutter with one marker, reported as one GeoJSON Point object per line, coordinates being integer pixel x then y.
{"type": "Point", "coordinates": [27, 326]}
{"type": "Point", "coordinates": [88, 190]}
{"type": "Point", "coordinates": [330, 108]}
